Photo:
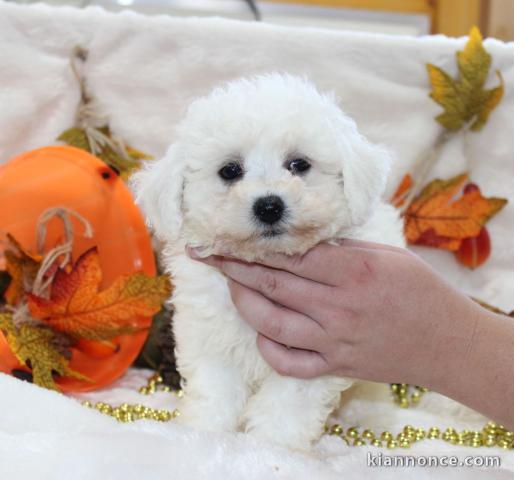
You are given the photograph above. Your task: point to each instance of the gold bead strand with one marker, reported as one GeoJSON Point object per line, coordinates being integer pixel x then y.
{"type": "Point", "coordinates": [127, 413]}
{"type": "Point", "coordinates": [156, 383]}
{"type": "Point", "coordinates": [490, 436]}
{"type": "Point", "coordinates": [405, 396]}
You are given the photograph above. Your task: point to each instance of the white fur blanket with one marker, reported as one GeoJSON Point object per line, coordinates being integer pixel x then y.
{"type": "Point", "coordinates": [144, 71]}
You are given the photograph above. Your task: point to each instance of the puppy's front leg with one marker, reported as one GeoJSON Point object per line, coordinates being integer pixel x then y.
{"type": "Point", "coordinates": [214, 395]}
{"type": "Point", "coordinates": [292, 412]}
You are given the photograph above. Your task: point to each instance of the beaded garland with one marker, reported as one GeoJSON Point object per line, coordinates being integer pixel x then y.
{"type": "Point", "coordinates": [127, 412]}
{"type": "Point", "coordinates": [404, 395]}
{"type": "Point", "coordinates": [491, 435]}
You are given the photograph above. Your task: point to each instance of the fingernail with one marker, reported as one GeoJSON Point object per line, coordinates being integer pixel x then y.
{"type": "Point", "coordinates": [222, 250]}
{"type": "Point", "coordinates": [194, 252]}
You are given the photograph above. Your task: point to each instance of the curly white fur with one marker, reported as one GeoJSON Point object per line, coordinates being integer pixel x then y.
{"type": "Point", "coordinates": [260, 122]}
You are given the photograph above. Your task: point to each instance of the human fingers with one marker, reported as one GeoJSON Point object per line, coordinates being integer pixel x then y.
{"type": "Point", "coordinates": [291, 362]}
{"type": "Point", "coordinates": [278, 323]}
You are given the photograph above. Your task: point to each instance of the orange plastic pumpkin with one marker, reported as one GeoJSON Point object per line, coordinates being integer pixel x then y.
{"type": "Point", "coordinates": [66, 176]}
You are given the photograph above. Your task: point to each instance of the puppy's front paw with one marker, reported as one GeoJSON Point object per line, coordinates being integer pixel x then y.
{"type": "Point", "coordinates": [292, 412]}
{"type": "Point", "coordinates": [290, 436]}
{"type": "Point", "coordinates": [283, 425]}
{"type": "Point", "coordinates": [204, 417]}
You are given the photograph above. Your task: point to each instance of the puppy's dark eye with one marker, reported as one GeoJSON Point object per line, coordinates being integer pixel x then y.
{"type": "Point", "coordinates": [231, 171]}
{"type": "Point", "coordinates": [298, 166]}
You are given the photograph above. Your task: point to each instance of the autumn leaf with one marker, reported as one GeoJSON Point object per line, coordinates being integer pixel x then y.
{"type": "Point", "coordinates": [474, 251]}
{"type": "Point", "coordinates": [75, 137]}
{"type": "Point", "coordinates": [435, 218]}
{"type": "Point", "coordinates": [465, 99]}
{"type": "Point", "coordinates": [124, 160]}
{"type": "Point", "coordinates": [22, 267]}
{"type": "Point", "coordinates": [399, 196]}
{"type": "Point", "coordinates": [77, 307]}
{"type": "Point", "coordinates": [137, 154]}
{"type": "Point", "coordinates": [34, 346]}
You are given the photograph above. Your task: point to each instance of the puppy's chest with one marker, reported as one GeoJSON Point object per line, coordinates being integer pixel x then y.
{"type": "Point", "coordinates": [207, 323]}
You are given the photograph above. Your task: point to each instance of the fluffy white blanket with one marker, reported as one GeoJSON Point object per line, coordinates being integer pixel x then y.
{"type": "Point", "coordinates": [144, 71]}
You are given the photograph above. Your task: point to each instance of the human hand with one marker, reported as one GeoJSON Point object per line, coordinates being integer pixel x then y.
{"type": "Point", "coordinates": [359, 310]}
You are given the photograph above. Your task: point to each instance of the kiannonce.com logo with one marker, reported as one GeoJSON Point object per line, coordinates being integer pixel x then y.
{"type": "Point", "coordinates": [381, 460]}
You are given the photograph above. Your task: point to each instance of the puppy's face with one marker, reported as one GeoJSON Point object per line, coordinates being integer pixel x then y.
{"type": "Point", "coordinates": [263, 165]}
{"type": "Point", "coordinates": [271, 184]}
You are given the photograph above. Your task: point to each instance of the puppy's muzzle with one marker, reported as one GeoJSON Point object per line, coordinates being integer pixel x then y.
{"type": "Point", "coordinates": [269, 210]}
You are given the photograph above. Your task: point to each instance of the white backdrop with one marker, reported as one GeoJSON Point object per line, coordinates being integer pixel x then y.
{"type": "Point", "coordinates": [144, 71]}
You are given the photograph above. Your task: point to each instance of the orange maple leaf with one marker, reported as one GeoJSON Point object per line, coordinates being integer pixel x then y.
{"type": "Point", "coordinates": [399, 196]}
{"type": "Point", "coordinates": [77, 308]}
{"type": "Point", "coordinates": [22, 267]}
{"type": "Point", "coordinates": [435, 218]}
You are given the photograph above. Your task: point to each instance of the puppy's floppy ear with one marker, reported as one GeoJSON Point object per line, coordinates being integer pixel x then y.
{"type": "Point", "coordinates": [365, 168]}
{"type": "Point", "coordinates": [158, 188]}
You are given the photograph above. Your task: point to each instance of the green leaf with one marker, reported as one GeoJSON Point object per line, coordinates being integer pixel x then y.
{"type": "Point", "coordinates": [75, 137]}
{"type": "Point", "coordinates": [125, 165]}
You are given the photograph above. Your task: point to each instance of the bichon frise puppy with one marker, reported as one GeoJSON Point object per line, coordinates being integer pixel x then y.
{"type": "Point", "coordinates": [266, 164]}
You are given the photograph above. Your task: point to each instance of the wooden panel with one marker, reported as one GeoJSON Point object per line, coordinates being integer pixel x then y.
{"type": "Point", "coordinates": [501, 19]}
{"type": "Point", "coordinates": [450, 17]}
{"type": "Point", "coordinates": [404, 6]}
{"type": "Point", "coordinates": [456, 17]}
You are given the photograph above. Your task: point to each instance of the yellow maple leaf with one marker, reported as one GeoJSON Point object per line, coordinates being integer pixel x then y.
{"type": "Point", "coordinates": [22, 267]}
{"type": "Point", "coordinates": [435, 218]}
{"type": "Point", "coordinates": [465, 100]}
{"type": "Point", "coordinates": [34, 346]}
{"type": "Point", "coordinates": [76, 306]}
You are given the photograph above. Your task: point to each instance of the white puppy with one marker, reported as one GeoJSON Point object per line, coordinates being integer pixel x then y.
{"type": "Point", "coordinates": [260, 165]}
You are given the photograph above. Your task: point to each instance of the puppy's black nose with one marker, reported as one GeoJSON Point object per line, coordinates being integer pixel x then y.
{"type": "Point", "coordinates": [269, 209]}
